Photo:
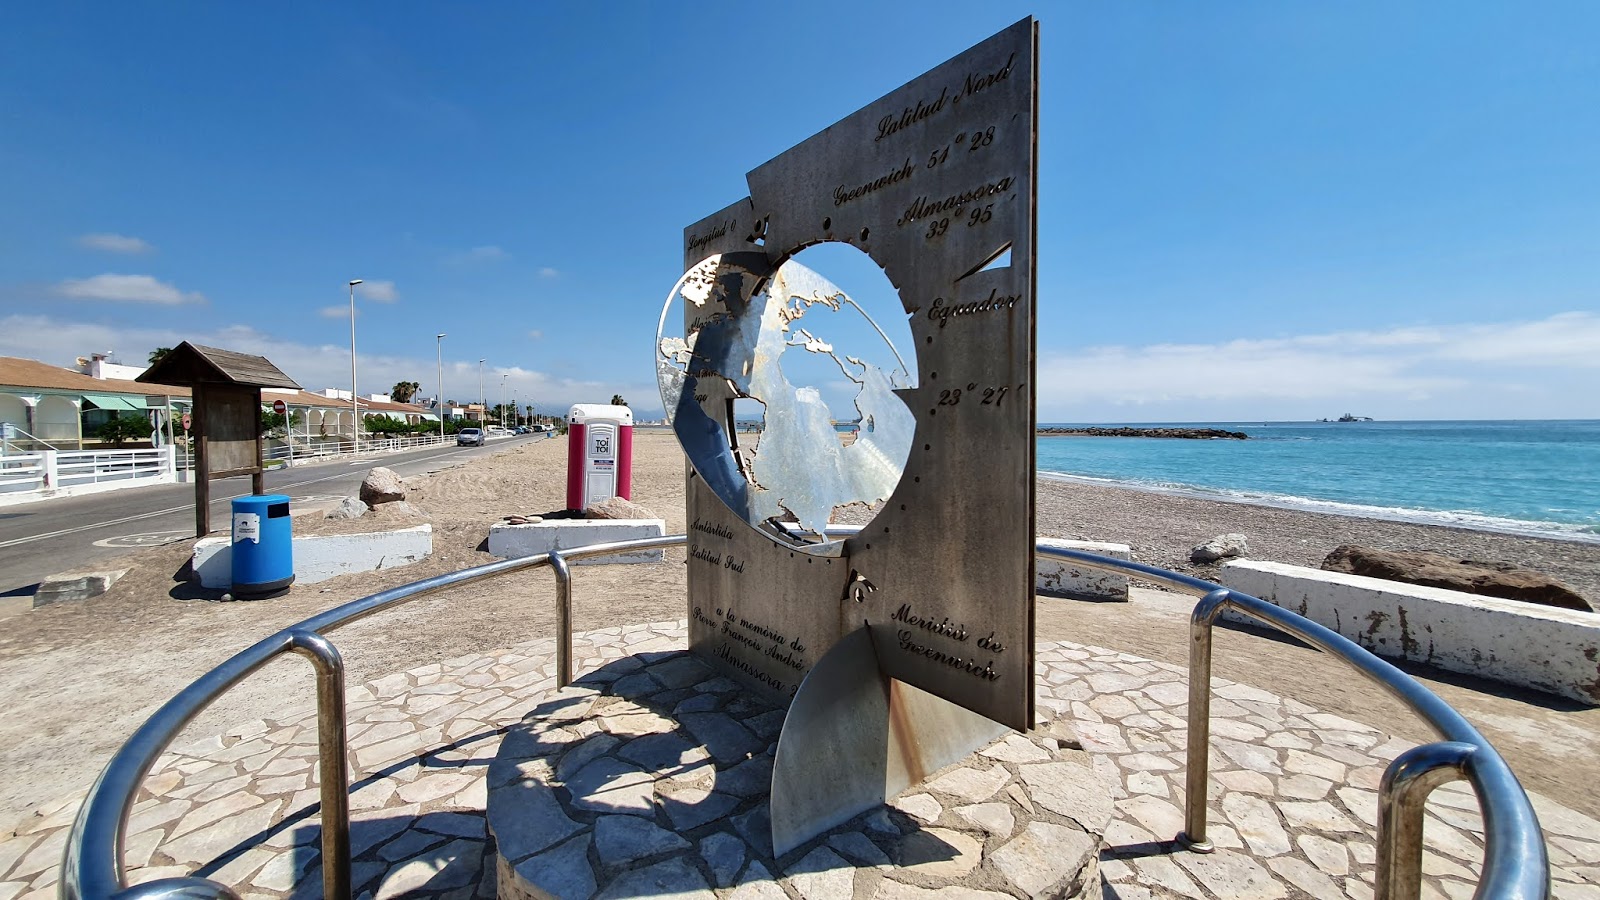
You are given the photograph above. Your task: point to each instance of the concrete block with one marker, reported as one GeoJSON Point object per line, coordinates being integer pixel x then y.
{"type": "Point", "coordinates": [517, 541]}
{"type": "Point", "coordinates": [322, 556]}
{"type": "Point", "coordinates": [69, 587]}
{"type": "Point", "coordinates": [1532, 646]}
{"type": "Point", "coordinates": [1064, 578]}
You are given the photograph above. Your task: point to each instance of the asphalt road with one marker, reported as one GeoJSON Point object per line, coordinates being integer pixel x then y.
{"type": "Point", "coordinates": [49, 536]}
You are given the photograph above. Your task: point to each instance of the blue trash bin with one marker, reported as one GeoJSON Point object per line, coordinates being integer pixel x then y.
{"type": "Point", "coordinates": [263, 547]}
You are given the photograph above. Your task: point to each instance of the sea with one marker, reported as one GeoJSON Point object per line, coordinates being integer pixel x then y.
{"type": "Point", "coordinates": [1539, 478]}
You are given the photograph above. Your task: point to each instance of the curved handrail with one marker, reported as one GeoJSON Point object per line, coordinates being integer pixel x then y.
{"type": "Point", "coordinates": [92, 864]}
{"type": "Point", "coordinates": [1515, 864]}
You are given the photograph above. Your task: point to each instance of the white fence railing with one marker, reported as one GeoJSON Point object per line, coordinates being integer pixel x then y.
{"type": "Point", "coordinates": [319, 448]}
{"type": "Point", "coordinates": [52, 473]}
{"type": "Point", "coordinates": [21, 472]}
{"type": "Point", "coordinates": [78, 467]}
{"type": "Point", "coordinates": [56, 472]}
{"type": "Point", "coordinates": [304, 450]}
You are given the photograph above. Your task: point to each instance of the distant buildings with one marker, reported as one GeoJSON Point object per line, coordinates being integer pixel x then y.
{"type": "Point", "coordinates": [45, 404]}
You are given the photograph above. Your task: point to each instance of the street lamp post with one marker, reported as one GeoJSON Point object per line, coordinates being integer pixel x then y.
{"type": "Point", "coordinates": [503, 398]}
{"type": "Point", "coordinates": [355, 414]}
{"type": "Point", "coordinates": [481, 409]}
{"type": "Point", "coordinates": [439, 348]}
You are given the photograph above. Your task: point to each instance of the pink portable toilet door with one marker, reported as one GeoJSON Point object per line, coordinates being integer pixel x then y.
{"type": "Point", "coordinates": [600, 463]}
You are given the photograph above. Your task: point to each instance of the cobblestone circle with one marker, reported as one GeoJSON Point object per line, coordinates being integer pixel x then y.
{"type": "Point", "coordinates": [650, 776]}
{"type": "Point", "coordinates": [1292, 795]}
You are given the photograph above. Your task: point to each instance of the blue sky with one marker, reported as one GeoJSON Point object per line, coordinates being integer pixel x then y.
{"type": "Point", "coordinates": [1247, 210]}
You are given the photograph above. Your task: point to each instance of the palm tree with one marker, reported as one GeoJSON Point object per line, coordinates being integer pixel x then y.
{"type": "Point", "coordinates": [158, 354]}
{"type": "Point", "coordinates": [616, 400]}
{"type": "Point", "coordinates": [403, 391]}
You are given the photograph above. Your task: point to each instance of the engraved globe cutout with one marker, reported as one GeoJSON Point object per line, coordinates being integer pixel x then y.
{"type": "Point", "coordinates": [781, 387]}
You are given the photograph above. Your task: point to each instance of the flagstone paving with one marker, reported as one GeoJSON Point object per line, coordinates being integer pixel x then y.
{"type": "Point", "coordinates": [1293, 797]}
{"type": "Point", "coordinates": [656, 763]}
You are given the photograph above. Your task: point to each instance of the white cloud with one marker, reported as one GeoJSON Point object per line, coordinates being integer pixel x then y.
{"type": "Point", "coordinates": [1569, 339]}
{"type": "Point", "coordinates": [334, 312]}
{"type": "Point", "coordinates": [486, 254]}
{"type": "Point", "coordinates": [548, 272]}
{"type": "Point", "coordinates": [126, 289]}
{"type": "Point", "coordinates": [536, 334]}
{"type": "Point", "coordinates": [314, 366]}
{"type": "Point", "coordinates": [378, 291]}
{"type": "Point", "coordinates": [1543, 368]}
{"type": "Point", "coordinates": [116, 243]}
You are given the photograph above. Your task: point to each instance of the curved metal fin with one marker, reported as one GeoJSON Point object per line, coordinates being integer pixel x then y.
{"type": "Point", "coordinates": [854, 737]}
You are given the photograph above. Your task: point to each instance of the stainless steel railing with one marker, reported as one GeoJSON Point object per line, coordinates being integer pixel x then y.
{"type": "Point", "coordinates": [1515, 864]}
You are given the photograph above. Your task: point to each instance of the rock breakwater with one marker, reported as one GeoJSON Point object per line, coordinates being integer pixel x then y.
{"type": "Point", "coordinates": [1201, 434]}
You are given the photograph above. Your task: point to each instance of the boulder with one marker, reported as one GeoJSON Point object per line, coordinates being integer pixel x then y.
{"type": "Point", "coordinates": [617, 508]}
{"type": "Point", "coordinates": [351, 508]}
{"type": "Point", "coordinates": [1223, 546]}
{"type": "Point", "coordinates": [1468, 576]}
{"type": "Point", "coordinates": [382, 486]}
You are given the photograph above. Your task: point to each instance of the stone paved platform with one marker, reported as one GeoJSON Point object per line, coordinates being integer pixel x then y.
{"type": "Point", "coordinates": [653, 771]}
{"type": "Point", "coordinates": [1293, 790]}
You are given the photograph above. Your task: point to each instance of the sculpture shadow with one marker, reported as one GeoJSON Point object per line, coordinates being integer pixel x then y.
{"type": "Point", "coordinates": [659, 749]}
{"type": "Point", "coordinates": [708, 774]}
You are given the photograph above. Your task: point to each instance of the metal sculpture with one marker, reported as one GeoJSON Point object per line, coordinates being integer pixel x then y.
{"type": "Point", "coordinates": [935, 182]}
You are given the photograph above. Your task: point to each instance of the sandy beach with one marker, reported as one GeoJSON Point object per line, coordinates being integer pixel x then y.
{"type": "Point", "coordinates": [119, 656]}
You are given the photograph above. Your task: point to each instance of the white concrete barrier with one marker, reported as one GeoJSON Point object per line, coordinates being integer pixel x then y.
{"type": "Point", "coordinates": [319, 557]}
{"type": "Point", "coordinates": [1518, 643]}
{"type": "Point", "coordinates": [1064, 578]}
{"type": "Point", "coordinates": [517, 541]}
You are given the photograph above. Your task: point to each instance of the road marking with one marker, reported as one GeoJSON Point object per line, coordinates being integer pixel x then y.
{"type": "Point", "coordinates": [163, 512]}
{"type": "Point", "coordinates": [149, 539]}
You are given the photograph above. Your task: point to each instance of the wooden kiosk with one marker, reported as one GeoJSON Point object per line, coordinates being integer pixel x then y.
{"type": "Point", "coordinates": [227, 414]}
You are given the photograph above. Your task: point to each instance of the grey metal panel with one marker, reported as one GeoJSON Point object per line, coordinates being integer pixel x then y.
{"type": "Point", "coordinates": [933, 181]}
{"type": "Point", "coordinates": [853, 738]}
{"type": "Point", "coordinates": [833, 754]}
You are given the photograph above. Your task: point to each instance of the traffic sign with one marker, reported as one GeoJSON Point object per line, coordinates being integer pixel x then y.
{"type": "Point", "coordinates": [278, 406]}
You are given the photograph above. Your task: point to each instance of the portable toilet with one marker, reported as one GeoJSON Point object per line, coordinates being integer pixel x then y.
{"type": "Point", "coordinates": [599, 454]}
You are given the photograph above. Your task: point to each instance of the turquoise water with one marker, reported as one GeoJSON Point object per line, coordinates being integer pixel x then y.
{"type": "Point", "coordinates": [1522, 477]}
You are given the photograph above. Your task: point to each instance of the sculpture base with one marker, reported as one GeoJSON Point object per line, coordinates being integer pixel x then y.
{"type": "Point", "coordinates": [651, 776]}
